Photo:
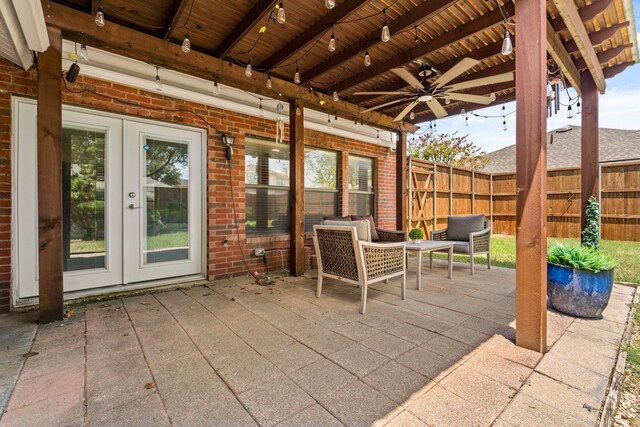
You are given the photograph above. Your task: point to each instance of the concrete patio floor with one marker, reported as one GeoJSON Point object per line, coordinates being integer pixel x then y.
{"type": "Point", "coordinates": [234, 353]}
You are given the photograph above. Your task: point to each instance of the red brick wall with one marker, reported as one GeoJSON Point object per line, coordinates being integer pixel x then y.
{"type": "Point", "coordinates": [223, 261]}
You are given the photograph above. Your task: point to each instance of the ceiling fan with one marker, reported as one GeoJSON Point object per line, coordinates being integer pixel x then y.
{"type": "Point", "coordinates": [431, 93]}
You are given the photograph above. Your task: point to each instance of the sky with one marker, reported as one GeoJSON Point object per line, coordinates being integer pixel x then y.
{"type": "Point", "coordinates": [619, 109]}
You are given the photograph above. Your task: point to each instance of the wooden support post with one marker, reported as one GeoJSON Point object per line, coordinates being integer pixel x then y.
{"type": "Point", "coordinates": [531, 176]}
{"type": "Point", "coordinates": [296, 204]}
{"type": "Point", "coordinates": [401, 181]}
{"type": "Point", "coordinates": [410, 198]}
{"type": "Point", "coordinates": [343, 174]}
{"type": "Point", "coordinates": [50, 180]}
{"type": "Point", "coordinates": [435, 197]}
{"type": "Point", "coordinates": [589, 164]}
{"type": "Point", "coordinates": [450, 190]}
{"type": "Point", "coordinates": [473, 192]}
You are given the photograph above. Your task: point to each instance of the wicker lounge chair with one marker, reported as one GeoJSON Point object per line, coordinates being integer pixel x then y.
{"type": "Point", "coordinates": [342, 256]}
{"type": "Point", "coordinates": [470, 235]}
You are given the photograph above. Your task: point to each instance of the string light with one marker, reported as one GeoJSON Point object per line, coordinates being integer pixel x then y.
{"type": "Point", "coordinates": [186, 43]}
{"type": "Point", "coordinates": [385, 36]}
{"type": "Point", "coordinates": [332, 42]}
{"type": "Point", "coordinates": [260, 109]}
{"type": "Point", "coordinates": [367, 58]}
{"type": "Point", "coordinates": [298, 111]}
{"type": "Point", "coordinates": [578, 109]}
{"type": "Point", "coordinates": [492, 96]}
{"type": "Point", "coordinates": [296, 76]}
{"type": "Point", "coordinates": [83, 49]}
{"type": "Point", "coordinates": [463, 112]}
{"type": "Point", "coordinates": [330, 4]}
{"type": "Point", "coordinates": [329, 121]}
{"type": "Point", "coordinates": [249, 70]}
{"type": "Point", "coordinates": [447, 100]}
{"type": "Point", "coordinates": [466, 120]}
{"type": "Point", "coordinates": [280, 16]}
{"type": "Point", "coordinates": [336, 98]}
{"type": "Point", "coordinates": [412, 115]}
{"type": "Point", "coordinates": [507, 44]}
{"type": "Point", "coordinates": [416, 40]}
{"type": "Point", "coordinates": [216, 88]}
{"type": "Point", "coordinates": [158, 81]}
{"type": "Point", "coordinates": [269, 83]}
{"type": "Point", "coordinates": [504, 124]}
{"type": "Point", "coordinates": [378, 135]}
{"type": "Point", "coordinates": [569, 112]}
{"type": "Point", "coordinates": [355, 124]}
{"type": "Point", "coordinates": [99, 20]}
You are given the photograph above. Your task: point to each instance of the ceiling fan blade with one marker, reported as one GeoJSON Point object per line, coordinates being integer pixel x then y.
{"type": "Point", "coordinates": [453, 72]}
{"type": "Point", "coordinates": [397, 101]}
{"type": "Point", "coordinates": [406, 75]}
{"type": "Point", "coordinates": [405, 111]}
{"type": "Point", "coordinates": [382, 93]}
{"type": "Point", "coordinates": [437, 108]}
{"type": "Point", "coordinates": [465, 97]}
{"type": "Point", "coordinates": [484, 81]}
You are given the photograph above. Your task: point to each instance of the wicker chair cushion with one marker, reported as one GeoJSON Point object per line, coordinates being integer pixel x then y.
{"type": "Point", "coordinates": [372, 223]}
{"type": "Point", "coordinates": [363, 229]}
{"type": "Point", "coordinates": [459, 227]}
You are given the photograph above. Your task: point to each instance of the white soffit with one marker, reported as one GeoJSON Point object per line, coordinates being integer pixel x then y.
{"type": "Point", "coordinates": [34, 27]}
{"type": "Point", "coordinates": [129, 72]}
{"type": "Point", "coordinates": [13, 45]}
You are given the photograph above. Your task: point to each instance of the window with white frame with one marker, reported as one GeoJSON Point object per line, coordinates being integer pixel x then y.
{"type": "Point", "coordinates": [320, 186]}
{"type": "Point", "coordinates": [361, 191]}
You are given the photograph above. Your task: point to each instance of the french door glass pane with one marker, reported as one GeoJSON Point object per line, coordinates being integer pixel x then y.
{"type": "Point", "coordinates": [83, 196]}
{"type": "Point", "coordinates": [166, 186]}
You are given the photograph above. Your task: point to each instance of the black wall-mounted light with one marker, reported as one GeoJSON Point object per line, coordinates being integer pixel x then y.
{"type": "Point", "coordinates": [227, 140]}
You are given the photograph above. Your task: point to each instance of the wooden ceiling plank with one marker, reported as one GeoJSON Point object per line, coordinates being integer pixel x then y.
{"type": "Point", "coordinates": [246, 24]}
{"type": "Point", "coordinates": [562, 58]}
{"type": "Point", "coordinates": [174, 16]}
{"type": "Point", "coordinates": [597, 37]}
{"type": "Point", "coordinates": [587, 13]}
{"type": "Point", "coordinates": [574, 22]}
{"type": "Point", "coordinates": [334, 16]}
{"type": "Point", "coordinates": [473, 27]}
{"type": "Point", "coordinates": [136, 45]}
{"type": "Point", "coordinates": [420, 13]}
{"type": "Point", "coordinates": [604, 56]}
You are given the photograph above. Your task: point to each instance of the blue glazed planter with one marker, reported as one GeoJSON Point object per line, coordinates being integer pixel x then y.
{"type": "Point", "coordinates": [580, 293]}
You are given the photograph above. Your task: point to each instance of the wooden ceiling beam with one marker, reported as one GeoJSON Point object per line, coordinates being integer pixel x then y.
{"type": "Point", "coordinates": [245, 25]}
{"type": "Point", "coordinates": [316, 30]}
{"type": "Point", "coordinates": [152, 50]}
{"type": "Point", "coordinates": [469, 29]}
{"type": "Point", "coordinates": [597, 37]}
{"type": "Point", "coordinates": [562, 58]}
{"type": "Point", "coordinates": [177, 8]}
{"type": "Point", "coordinates": [604, 56]}
{"type": "Point", "coordinates": [613, 71]}
{"type": "Point", "coordinates": [586, 13]}
{"type": "Point", "coordinates": [575, 24]}
{"type": "Point", "coordinates": [420, 13]}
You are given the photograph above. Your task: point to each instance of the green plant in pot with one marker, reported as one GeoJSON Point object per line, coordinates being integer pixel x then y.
{"type": "Point", "coordinates": [416, 234]}
{"type": "Point", "coordinates": [580, 278]}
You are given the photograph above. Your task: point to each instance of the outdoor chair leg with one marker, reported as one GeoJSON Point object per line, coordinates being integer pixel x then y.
{"type": "Point", "coordinates": [386, 281]}
{"type": "Point", "coordinates": [363, 303]}
{"type": "Point", "coordinates": [404, 284]}
{"type": "Point", "coordinates": [319, 288]}
{"type": "Point", "coordinates": [488, 261]}
{"type": "Point", "coordinates": [430, 259]}
{"type": "Point", "coordinates": [472, 265]}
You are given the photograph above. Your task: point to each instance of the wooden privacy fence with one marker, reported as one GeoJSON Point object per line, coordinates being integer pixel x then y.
{"type": "Point", "coordinates": [438, 190]}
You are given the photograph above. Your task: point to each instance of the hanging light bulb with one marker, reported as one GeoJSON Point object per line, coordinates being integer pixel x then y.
{"type": "Point", "coordinates": [504, 123]}
{"type": "Point", "coordinates": [378, 135]}
{"type": "Point", "coordinates": [367, 58]}
{"type": "Point", "coordinates": [186, 44]}
{"type": "Point", "coordinates": [578, 109]}
{"type": "Point", "coordinates": [332, 42]}
{"type": "Point", "coordinates": [216, 89]}
{"type": "Point", "coordinates": [83, 50]}
{"type": "Point", "coordinates": [463, 112]}
{"type": "Point", "coordinates": [280, 16]}
{"type": "Point", "coordinates": [434, 126]}
{"type": "Point", "coordinates": [355, 124]}
{"type": "Point", "coordinates": [269, 83]}
{"type": "Point", "coordinates": [412, 115]}
{"type": "Point", "coordinates": [466, 120]}
{"type": "Point", "coordinates": [492, 96]}
{"type": "Point", "coordinates": [569, 112]}
{"type": "Point", "coordinates": [330, 4]}
{"type": "Point", "coordinates": [100, 16]}
{"type": "Point", "coordinates": [249, 70]}
{"type": "Point", "coordinates": [158, 81]}
{"type": "Point", "coordinates": [329, 121]}
{"type": "Point", "coordinates": [447, 100]}
{"type": "Point", "coordinates": [336, 98]}
{"type": "Point", "coordinates": [260, 109]}
{"type": "Point", "coordinates": [296, 76]}
{"type": "Point", "coordinates": [385, 36]}
{"type": "Point", "coordinates": [507, 44]}
{"type": "Point", "coordinates": [298, 111]}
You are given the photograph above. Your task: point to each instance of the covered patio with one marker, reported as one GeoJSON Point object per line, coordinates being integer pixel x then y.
{"type": "Point", "coordinates": [234, 353]}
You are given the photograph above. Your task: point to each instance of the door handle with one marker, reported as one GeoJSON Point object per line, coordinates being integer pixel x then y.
{"type": "Point", "coordinates": [132, 206]}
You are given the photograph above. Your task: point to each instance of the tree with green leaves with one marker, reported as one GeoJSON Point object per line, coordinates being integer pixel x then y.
{"type": "Point", "coordinates": [449, 149]}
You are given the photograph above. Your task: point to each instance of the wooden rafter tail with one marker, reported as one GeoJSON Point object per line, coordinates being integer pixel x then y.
{"type": "Point", "coordinates": [575, 25]}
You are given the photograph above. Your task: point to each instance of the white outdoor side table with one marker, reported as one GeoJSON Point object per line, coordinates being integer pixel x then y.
{"type": "Point", "coordinates": [429, 246]}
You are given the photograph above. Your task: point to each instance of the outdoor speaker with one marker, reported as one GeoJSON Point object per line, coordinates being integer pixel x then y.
{"type": "Point", "coordinates": [73, 72]}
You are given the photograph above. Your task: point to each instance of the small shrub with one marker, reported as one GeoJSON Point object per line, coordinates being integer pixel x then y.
{"type": "Point", "coordinates": [591, 232]}
{"type": "Point", "coordinates": [416, 234]}
{"type": "Point", "coordinates": [580, 257]}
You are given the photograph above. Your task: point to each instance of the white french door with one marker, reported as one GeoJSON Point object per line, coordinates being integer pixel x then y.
{"type": "Point", "coordinates": [132, 200]}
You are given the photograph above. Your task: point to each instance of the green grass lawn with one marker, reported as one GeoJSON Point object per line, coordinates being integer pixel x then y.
{"type": "Point", "coordinates": [625, 254]}
{"type": "Point", "coordinates": [161, 241]}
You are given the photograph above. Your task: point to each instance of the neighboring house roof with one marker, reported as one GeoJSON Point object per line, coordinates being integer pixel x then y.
{"type": "Point", "coordinates": [563, 149]}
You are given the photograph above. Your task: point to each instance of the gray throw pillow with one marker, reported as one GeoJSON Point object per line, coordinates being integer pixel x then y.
{"type": "Point", "coordinates": [459, 227]}
{"type": "Point", "coordinates": [372, 223]}
{"type": "Point", "coordinates": [363, 231]}
{"type": "Point", "coordinates": [337, 218]}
